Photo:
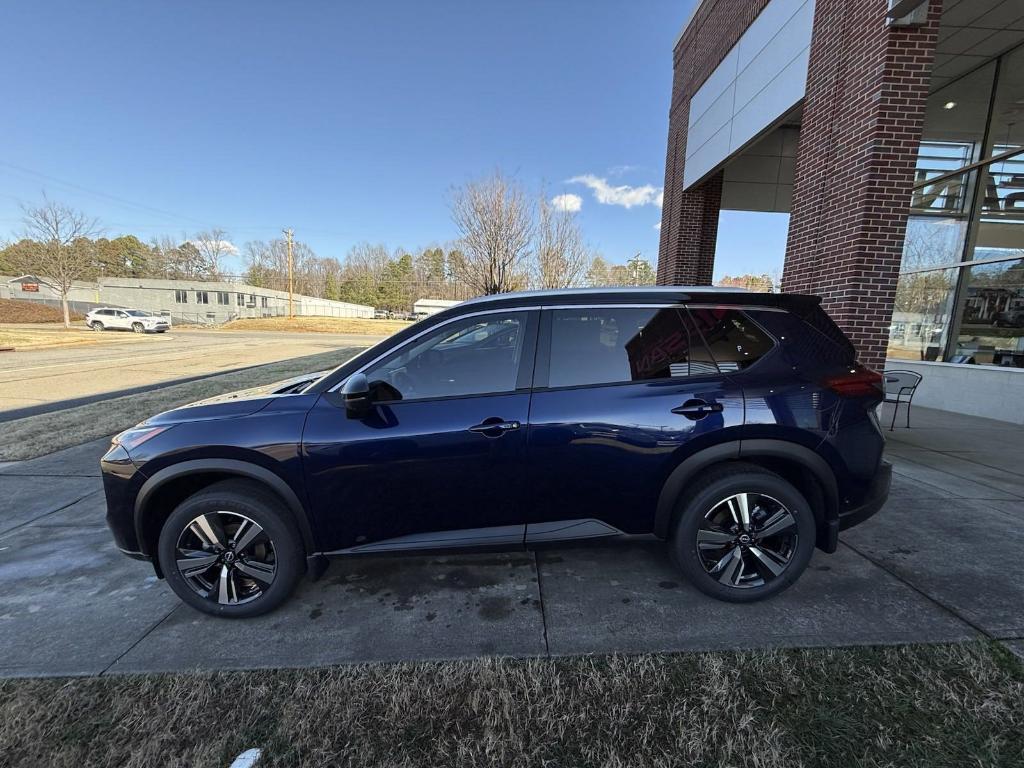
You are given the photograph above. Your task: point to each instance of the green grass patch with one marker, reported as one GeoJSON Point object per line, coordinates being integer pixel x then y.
{"type": "Point", "coordinates": [45, 433]}
{"type": "Point", "coordinates": [929, 706]}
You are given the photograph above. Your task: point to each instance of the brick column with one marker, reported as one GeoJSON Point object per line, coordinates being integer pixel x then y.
{"type": "Point", "coordinates": [686, 255]}
{"type": "Point", "coordinates": [689, 219]}
{"type": "Point", "coordinates": [863, 113]}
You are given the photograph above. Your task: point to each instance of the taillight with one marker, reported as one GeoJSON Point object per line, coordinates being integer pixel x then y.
{"type": "Point", "coordinates": [857, 381]}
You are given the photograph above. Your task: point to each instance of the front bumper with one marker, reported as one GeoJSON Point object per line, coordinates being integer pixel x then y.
{"type": "Point", "coordinates": [121, 480]}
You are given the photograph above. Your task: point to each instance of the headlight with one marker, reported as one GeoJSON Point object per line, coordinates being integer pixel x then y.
{"type": "Point", "coordinates": [136, 436]}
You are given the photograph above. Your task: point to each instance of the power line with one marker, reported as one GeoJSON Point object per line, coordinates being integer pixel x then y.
{"type": "Point", "coordinates": [113, 198]}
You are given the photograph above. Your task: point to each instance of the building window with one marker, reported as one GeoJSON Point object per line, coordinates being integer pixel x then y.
{"type": "Point", "coordinates": [223, 298]}
{"type": "Point", "coordinates": [960, 294]}
{"type": "Point", "coordinates": [252, 299]}
{"type": "Point", "coordinates": [263, 301]}
{"type": "Point", "coordinates": [202, 297]}
{"type": "Point", "coordinates": [240, 299]}
{"type": "Point", "coordinates": [180, 297]}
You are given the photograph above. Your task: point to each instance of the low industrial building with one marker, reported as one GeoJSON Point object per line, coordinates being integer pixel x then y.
{"type": "Point", "coordinates": [184, 301]}
{"type": "Point", "coordinates": [892, 133]}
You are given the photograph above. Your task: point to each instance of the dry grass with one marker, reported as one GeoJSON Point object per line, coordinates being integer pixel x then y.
{"type": "Point", "coordinates": [928, 706]}
{"type": "Point", "coordinates": [39, 435]}
{"type": "Point", "coordinates": [36, 338]}
{"type": "Point", "coordinates": [355, 325]}
{"type": "Point", "coordinates": [19, 311]}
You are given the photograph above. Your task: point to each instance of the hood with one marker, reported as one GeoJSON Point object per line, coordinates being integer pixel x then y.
{"type": "Point", "coordinates": [242, 402]}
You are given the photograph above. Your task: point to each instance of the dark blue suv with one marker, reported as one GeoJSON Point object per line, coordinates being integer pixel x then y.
{"type": "Point", "coordinates": [737, 427]}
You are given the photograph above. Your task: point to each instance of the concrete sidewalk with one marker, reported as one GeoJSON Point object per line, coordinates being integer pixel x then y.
{"type": "Point", "coordinates": [931, 567]}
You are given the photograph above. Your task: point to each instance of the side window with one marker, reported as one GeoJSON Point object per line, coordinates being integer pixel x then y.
{"type": "Point", "coordinates": [180, 296]}
{"type": "Point", "coordinates": [475, 356]}
{"type": "Point", "coordinates": [597, 345]}
{"type": "Point", "coordinates": [735, 341]}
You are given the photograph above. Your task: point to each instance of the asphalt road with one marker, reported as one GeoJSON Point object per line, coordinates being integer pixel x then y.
{"type": "Point", "coordinates": [37, 377]}
{"type": "Point", "coordinates": [935, 565]}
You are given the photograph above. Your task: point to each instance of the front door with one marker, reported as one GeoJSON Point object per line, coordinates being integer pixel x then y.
{"type": "Point", "coordinates": [439, 460]}
{"type": "Point", "coordinates": [623, 393]}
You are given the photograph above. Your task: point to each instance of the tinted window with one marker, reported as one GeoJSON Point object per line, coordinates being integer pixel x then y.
{"type": "Point", "coordinates": [734, 340]}
{"type": "Point", "coordinates": [478, 355]}
{"type": "Point", "coordinates": [607, 345]}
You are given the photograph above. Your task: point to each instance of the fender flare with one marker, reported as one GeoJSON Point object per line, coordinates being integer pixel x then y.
{"type": "Point", "coordinates": [242, 469]}
{"type": "Point", "coordinates": [735, 450]}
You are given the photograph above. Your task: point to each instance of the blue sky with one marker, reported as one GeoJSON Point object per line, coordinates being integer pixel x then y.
{"type": "Point", "coordinates": [348, 121]}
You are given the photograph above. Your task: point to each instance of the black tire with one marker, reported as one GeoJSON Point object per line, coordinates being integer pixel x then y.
{"type": "Point", "coordinates": [743, 572]}
{"type": "Point", "coordinates": [97, 326]}
{"type": "Point", "coordinates": [138, 328]}
{"type": "Point", "coordinates": [282, 560]}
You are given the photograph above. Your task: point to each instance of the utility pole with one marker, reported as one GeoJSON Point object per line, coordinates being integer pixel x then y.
{"type": "Point", "coordinates": [291, 309]}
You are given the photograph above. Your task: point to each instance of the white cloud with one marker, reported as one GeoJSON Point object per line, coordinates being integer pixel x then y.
{"type": "Point", "coordinates": [223, 246]}
{"type": "Point", "coordinates": [658, 226]}
{"type": "Point", "coordinates": [623, 195]}
{"type": "Point", "coordinates": [622, 170]}
{"type": "Point", "coordinates": [567, 202]}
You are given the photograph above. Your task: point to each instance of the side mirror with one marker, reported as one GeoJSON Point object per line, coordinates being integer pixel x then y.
{"type": "Point", "coordinates": [356, 394]}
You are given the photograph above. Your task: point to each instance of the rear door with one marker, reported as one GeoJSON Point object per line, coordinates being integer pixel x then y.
{"type": "Point", "coordinates": [621, 394]}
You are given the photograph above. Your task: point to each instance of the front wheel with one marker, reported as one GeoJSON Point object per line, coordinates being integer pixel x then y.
{"type": "Point", "coordinates": [231, 550]}
{"type": "Point", "coordinates": [744, 534]}
{"type": "Point", "coordinates": [138, 328]}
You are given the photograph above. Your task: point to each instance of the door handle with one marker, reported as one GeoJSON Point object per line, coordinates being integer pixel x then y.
{"type": "Point", "coordinates": [494, 427]}
{"type": "Point", "coordinates": [697, 409]}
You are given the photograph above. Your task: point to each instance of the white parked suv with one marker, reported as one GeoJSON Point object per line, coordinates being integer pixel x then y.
{"type": "Point", "coordinates": [140, 321]}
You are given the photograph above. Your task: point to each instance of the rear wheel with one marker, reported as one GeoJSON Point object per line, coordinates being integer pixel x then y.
{"type": "Point", "coordinates": [231, 550]}
{"type": "Point", "coordinates": [744, 534]}
{"type": "Point", "coordinates": [96, 325]}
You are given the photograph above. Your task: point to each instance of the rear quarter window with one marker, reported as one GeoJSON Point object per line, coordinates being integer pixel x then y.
{"type": "Point", "coordinates": [806, 342]}
{"type": "Point", "coordinates": [735, 342]}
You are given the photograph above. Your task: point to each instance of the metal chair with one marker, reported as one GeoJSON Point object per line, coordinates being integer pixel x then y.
{"type": "Point", "coordinates": [899, 390]}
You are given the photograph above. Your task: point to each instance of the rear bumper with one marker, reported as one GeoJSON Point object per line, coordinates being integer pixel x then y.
{"type": "Point", "coordinates": [875, 499]}
{"type": "Point", "coordinates": [877, 495]}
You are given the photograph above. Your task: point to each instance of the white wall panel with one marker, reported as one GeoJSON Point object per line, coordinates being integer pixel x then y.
{"type": "Point", "coordinates": [761, 78]}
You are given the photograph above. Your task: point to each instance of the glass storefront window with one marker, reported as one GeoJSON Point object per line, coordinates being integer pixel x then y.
{"type": "Point", "coordinates": [920, 317]}
{"type": "Point", "coordinates": [1001, 228]}
{"type": "Point", "coordinates": [954, 123]}
{"type": "Point", "coordinates": [932, 241]}
{"type": "Point", "coordinates": [992, 317]}
{"type": "Point", "coordinates": [960, 294]}
{"type": "Point", "coordinates": [1007, 128]}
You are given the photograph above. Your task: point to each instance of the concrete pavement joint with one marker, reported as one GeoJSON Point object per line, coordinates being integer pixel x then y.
{"type": "Point", "coordinates": [142, 637]}
{"type": "Point", "coordinates": [540, 596]}
{"type": "Point", "coordinates": [19, 526]}
{"type": "Point", "coordinates": [935, 601]}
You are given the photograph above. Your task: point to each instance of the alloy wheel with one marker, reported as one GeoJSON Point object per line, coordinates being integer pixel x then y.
{"type": "Point", "coordinates": [747, 540]}
{"type": "Point", "coordinates": [226, 558]}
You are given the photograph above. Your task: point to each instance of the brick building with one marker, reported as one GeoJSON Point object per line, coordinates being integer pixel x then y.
{"type": "Point", "coordinates": [892, 133]}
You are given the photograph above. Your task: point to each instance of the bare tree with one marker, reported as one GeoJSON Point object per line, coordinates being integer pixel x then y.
{"type": "Point", "coordinates": [495, 226]}
{"type": "Point", "coordinates": [562, 259]}
{"type": "Point", "coordinates": [213, 246]}
{"type": "Point", "coordinates": [65, 249]}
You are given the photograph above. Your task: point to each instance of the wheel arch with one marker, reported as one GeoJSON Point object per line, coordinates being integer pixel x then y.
{"type": "Point", "coordinates": [161, 493]}
{"type": "Point", "coordinates": [796, 463]}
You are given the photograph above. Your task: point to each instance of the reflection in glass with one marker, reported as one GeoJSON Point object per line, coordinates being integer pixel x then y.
{"type": "Point", "coordinates": [992, 320]}
{"type": "Point", "coordinates": [955, 115]}
{"type": "Point", "coordinates": [1007, 129]}
{"type": "Point", "coordinates": [932, 241]}
{"type": "Point", "coordinates": [920, 317]}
